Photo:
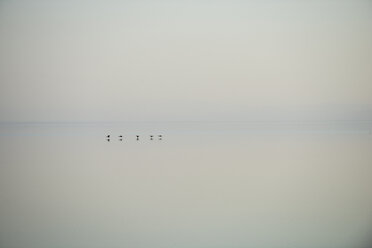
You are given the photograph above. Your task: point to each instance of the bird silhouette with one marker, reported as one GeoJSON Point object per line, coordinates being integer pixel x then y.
{"type": "Point", "coordinates": [137, 137]}
{"type": "Point", "coordinates": [121, 137]}
{"type": "Point", "coordinates": [151, 137]}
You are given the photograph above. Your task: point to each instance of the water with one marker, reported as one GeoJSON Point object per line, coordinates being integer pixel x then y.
{"type": "Point", "coordinates": [205, 184]}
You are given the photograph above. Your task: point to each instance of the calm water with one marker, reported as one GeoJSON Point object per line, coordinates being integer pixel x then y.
{"type": "Point", "coordinates": [205, 184]}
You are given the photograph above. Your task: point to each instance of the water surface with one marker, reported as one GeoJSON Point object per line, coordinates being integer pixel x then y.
{"type": "Point", "coordinates": [205, 184]}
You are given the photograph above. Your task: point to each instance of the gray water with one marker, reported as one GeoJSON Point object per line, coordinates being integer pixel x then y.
{"type": "Point", "coordinates": [205, 184]}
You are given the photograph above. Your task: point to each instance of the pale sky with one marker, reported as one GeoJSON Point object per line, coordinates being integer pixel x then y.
{"type": "Point", "coordinates": [181, 60]}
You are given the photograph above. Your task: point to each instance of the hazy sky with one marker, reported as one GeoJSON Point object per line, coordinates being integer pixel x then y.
{"type": "Point", "coordinates": [176, 60]}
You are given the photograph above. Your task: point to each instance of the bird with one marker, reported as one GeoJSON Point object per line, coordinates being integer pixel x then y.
{"type": "Point", "coordinates": [121, 137]}
{"type": "Point", "coordinates": [151, 137]}
{"type": "Point", "coordinates": [160, 137]}
{"type": "Point", "coordinates": [137, 137]}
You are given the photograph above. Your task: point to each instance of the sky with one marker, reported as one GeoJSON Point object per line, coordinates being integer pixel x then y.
{"type": "Point", "coordinates": [182, 60]}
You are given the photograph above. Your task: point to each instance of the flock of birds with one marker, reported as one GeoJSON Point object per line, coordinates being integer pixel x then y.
{"type": "Point", "coordinates": [120, 137]}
